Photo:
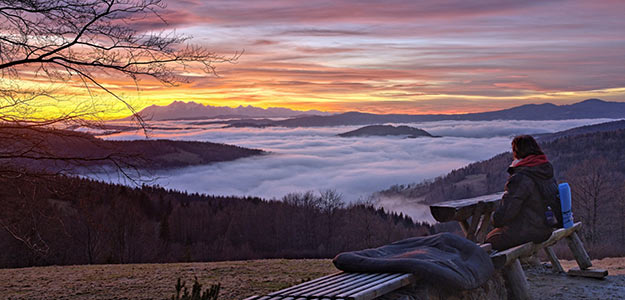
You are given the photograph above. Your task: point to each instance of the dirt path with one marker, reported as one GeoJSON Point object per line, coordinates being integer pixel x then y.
{"type": "Point", "coordinates": [241, 279]}
{"type": "Point", "coordinates": [547, 285]}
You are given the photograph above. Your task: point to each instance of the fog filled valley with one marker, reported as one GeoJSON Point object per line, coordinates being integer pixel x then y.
{"type": "Point", "coordinates": [309, 193]}
{"type": "Point", "coordinates": [315, 158]}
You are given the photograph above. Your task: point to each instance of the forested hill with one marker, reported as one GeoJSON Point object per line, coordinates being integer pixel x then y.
{"type": "Point", "coordinates": [602, 127]}
{"type": "Point", "coordinates": [387, 130]}
{"type": "Point", "coordinates": [53, 150]}
{"type": "Point", "coordinates": [61, 220]}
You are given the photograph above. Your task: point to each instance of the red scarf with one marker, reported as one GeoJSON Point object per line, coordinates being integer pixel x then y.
{"type": "Point", "coordinates": [530, 161]}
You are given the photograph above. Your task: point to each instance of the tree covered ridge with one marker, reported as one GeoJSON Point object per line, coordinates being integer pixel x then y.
{"type": "Point", "coordinates": [28, 150]}
{"type": "Point", "coordinates": [65, 220]}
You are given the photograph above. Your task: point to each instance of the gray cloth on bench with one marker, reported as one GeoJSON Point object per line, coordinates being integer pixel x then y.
{"type": "Point", "coordinates": [442, 259]}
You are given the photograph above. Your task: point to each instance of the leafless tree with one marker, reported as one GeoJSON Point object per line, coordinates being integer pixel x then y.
{"type": "Point", "coordinates": [619, 208]}
{"type": "Point", "coordinates": [331, 203]}
{"type": "Point", "coordinates": [21, 220]}
{"type": "Point", "coordinates": [593, 187]}
{"type": "Point", "coordinates": [48, 47]}
{"type": "Point", "coordinates": [78, 42]}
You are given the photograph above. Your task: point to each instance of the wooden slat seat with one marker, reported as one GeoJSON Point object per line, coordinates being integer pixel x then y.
{"type": "Point", "coordinates": [504, 258]}
{"type": "Point", "coordinates": [346, 286]}
{"type": "Point", "coordinates": [508, 260]}
{"type": "Point", "coordinates": [343, 286]}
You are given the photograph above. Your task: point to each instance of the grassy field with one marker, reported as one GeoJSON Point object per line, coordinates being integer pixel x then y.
{"type": "Point", "coordinates": [239, 279]}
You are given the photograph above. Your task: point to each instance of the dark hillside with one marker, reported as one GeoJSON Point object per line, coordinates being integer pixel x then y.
{"type": "Point", "coordinates": [608, 126]}
{"type": "Point", "coordinates": [386, 130]}
{"type": "Point", "coordinates": [52, 151]}
{"type": "Point", "coordinates": [62, 220]}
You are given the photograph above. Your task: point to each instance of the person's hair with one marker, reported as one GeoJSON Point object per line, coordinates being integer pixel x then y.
{"type": "Point", "coordinates": [524, 145]}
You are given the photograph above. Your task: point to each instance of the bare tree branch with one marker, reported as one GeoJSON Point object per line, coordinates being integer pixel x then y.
{"type": "Point", "coordinates": [80, 41]}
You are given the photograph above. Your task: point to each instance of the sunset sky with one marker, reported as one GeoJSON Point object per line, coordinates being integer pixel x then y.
{"type": "Point", "coordinates": [397, 56]}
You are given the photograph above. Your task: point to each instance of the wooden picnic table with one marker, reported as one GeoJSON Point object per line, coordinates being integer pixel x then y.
{"type": "Point", "coordinates": [473, 214]}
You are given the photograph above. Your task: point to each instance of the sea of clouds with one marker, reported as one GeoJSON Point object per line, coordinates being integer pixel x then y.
{"type": "Point", "coordinates": [303, 159]}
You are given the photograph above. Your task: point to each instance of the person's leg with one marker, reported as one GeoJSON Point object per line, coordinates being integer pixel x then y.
{"type": "Point", "coordinates": [500, 239]}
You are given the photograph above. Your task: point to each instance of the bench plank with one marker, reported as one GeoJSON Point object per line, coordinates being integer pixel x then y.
{"type": "Point", "coordinates": [376, 283]}
{"type": "Point", "coordinates": [343, 286]}
{"type": "Point", "coordinates": [506, 257]}
{"type": "Point", "coordinates": [594, 273]}
{"type": "Point", "coordinates": [374, 290]}
{"type": "Point", "coordinates": [307, 286]}
{"type": "Point", "coordinates": [334, 276]}
{"type": "Point", "coordinates": [307, 289]}
{"type": "Point", "coordinates": [503, 258]}
{"type": "Point", "coordinates": [353, 286]}
{"type": "Point", "coordinates": [349, 285]}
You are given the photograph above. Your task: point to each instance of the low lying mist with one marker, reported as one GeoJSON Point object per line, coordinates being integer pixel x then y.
{"type": "Point", "coordinates": [305, 159]}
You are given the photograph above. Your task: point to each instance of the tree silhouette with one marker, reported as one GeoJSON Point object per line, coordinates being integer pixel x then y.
{"type": "Point", "coordinates": [77, 43]}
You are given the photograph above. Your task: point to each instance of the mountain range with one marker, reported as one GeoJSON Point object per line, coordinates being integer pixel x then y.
{"type": "Point", "coordinates": [587, 109]}
{"type": "Point", "coordinates": [179, 110]}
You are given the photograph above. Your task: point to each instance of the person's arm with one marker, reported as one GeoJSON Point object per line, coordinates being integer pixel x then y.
{"type": "Point", "coordinates": [517, 190]}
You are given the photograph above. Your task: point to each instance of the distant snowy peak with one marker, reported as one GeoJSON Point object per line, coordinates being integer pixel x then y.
{"type": "Point", "coordinates": [179, 110]}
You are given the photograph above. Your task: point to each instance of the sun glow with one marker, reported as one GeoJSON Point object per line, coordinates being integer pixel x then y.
{"type": "Point", "coordinates": [454, 60]}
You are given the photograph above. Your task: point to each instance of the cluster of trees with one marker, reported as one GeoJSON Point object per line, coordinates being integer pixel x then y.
{"type": "Point", "coordinates": [592, 163]}
{"type": "Point", "coordinates": [64, 220]}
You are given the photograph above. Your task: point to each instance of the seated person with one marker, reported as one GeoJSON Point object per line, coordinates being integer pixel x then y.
{"type": "Point", "coordinates": [520, 218]}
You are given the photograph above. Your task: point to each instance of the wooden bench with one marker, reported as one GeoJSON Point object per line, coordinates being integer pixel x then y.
{"type": "Point", "coordinates": [343, 286]}
{"type": "Point", "coordinates": [474, 212]}
{"type": "Point", "coordinates": [508, 260]}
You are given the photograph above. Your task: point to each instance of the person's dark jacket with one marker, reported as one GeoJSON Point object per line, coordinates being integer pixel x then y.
{"type": "Point", "coordinates": [521, 214]}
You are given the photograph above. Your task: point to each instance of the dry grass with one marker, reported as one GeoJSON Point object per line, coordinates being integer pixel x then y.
{"type": "Point", "coordinates": [239, 279]}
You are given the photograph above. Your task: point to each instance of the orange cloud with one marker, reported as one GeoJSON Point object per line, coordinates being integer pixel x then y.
{"type": "Point", "coordinates": [392, 57]}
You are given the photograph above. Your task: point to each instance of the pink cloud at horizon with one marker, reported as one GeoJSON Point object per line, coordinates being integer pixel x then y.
{"type": "Point", "coordinates": [397, 56]}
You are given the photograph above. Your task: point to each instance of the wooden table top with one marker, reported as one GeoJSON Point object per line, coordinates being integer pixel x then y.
{"type": "Point", "coordinates": [458, 210]}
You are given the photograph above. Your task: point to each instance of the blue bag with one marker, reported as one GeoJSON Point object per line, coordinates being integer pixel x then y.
{"type": "Point", "coordinates": [565, 203]}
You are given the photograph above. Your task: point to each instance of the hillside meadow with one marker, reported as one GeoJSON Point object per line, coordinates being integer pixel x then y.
{"type": "Point", "coordinates": [241, 279]}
